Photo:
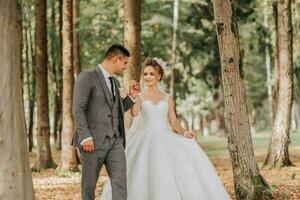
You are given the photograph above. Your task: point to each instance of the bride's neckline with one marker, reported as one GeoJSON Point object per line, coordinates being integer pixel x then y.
{"type": "Point", "coordinates": [144, 99]}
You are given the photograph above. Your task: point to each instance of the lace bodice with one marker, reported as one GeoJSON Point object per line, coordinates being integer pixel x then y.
{"type": "Point", "coordinates": [155, 114]}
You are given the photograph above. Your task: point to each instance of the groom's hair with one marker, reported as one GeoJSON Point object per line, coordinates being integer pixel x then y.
{"type": "Point", "coordinates": [115, 50]}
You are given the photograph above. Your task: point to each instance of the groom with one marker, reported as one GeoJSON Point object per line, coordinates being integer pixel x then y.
{"type": "Point", "coordinates": [98, 111]}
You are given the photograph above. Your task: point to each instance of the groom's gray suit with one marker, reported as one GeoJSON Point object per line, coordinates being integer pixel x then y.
{"type": "Point", "coordinates": [99, 117]}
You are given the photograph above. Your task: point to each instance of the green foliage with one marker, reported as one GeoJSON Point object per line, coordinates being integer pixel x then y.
{"type": "Point", "coordinates": [197, 70]}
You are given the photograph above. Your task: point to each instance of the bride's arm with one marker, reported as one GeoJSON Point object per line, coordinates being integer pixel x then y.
{"type": "Point", "coordinates": [175, 124]}
{"type": "Point", "coordinates": [135, 109]}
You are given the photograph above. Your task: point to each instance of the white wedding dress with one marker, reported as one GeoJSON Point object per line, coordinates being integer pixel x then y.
{"type": "Point", "coordinates": [162, 165]}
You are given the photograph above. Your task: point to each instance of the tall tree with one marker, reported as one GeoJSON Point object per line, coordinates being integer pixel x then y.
{"type": "Point", "coordinates": [268, 57]}
{"type": "Point", "coordinates": [53, 64]}
{"type": "Point", "coordinates": [59, 84]}
{"type": "Point", "coordinates": [132, 40]}
{"type": "Point", "coordinates": [76, 49]}
{"type": "Point", "coordinates": [32, 93]}
{"type": "Point", "coordinates": [15, 175]}
{"type": "Point", "coordinates": [248, 182]}
{"type": "Point", "coordinates": [278, 153]}
{"type": "Point", "coordinates": [68, 153]}
{"type": "Point", "coordinates": [174, 44]}
{"type": "Point", "coordinates": [44, 158]}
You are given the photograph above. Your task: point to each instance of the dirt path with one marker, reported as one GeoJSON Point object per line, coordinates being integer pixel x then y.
{"type": "Point", "coordinates": [285, 182]}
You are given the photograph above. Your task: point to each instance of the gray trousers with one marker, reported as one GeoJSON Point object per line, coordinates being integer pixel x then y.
{"type": "Point", "coordinates": [112, 155]}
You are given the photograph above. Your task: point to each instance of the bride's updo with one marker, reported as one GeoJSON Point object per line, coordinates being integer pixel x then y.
{"type": "Point", "coordinates": [153, 63]}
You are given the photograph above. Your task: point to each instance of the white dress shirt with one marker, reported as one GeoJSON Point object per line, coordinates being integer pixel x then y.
{"type": "Point", "coordinates": [106, 77]}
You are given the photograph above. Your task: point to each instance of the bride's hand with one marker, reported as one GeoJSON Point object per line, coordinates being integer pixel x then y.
{"type": "Point", "coordinates": [189, 134]}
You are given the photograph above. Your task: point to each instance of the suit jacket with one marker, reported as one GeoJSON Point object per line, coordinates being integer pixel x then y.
{"type": "Point", "coordinates": [91, 108]}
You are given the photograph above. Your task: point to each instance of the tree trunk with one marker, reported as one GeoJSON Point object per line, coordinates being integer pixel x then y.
{"type": "Point", "coordinates": [53, 66]}
{"type": "Point", "coordinates": [174, 42]}
{"type": "Point", "coordinates": [276, 64]}
{"type": "Point", "coordinates": [253, 117]}
{"type": "Point", "coordinates": [205, 125]}
{"type": "Point", "coordinates": [132, 40]}
{"type": "Point", "coordinates": [68, 153]}
{"type": "Point", "coordinates": [278, 153]}
{"type": "Point", "coordinates": [15, 175]}
{"type": "Point", "coordinates": [218, 112]}
{"type": "Point", "coordinates": [32, 90]}
{"type": "Point", "coordinates": [76, 49]}
{"type": "Point", "coordinates": [248, 182]}
{"type": "Point", "coordinates": [268, 59]}
{"type": "Point", "coordinates": [58, 96]}
{"type": "Point", "coordinates": [44, 157]}
{"type": "Point", "coordinates": [298, 117]}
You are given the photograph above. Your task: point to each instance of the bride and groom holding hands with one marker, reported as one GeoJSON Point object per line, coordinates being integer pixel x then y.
{"type": "Point", "coordinates": [157, 163]}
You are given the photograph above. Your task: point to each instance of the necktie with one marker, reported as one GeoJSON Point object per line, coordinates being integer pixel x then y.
{"type": "Point", "coordinates": [112, 87]}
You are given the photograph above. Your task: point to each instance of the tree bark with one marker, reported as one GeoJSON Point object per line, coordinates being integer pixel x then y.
{"type": "Point", "coordinates": [248, 182]}
{"type": "Point", "coordinates": [76, 49]}
{"type": "Point", "coordinates": [174, 44]}
{"type": "Point", "coordinates": [68, 153]}
{"type": "Point", "coordinates": [15, 175]}
{"type": "Point", "coordinates": [44, 157]}
{"type": "Point", "coordinates": [132, 41]}
{"type": "Point", "coordinates": [278, 153]}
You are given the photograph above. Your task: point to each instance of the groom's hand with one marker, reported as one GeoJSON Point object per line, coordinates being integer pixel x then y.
{"type": "Point", "coordinates": [134, 88]}
{"type": "Point", "coordinates": [88, 145]}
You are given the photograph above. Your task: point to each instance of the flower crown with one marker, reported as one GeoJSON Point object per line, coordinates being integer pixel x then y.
{"type": "Point", "coordinates": [161, 63]}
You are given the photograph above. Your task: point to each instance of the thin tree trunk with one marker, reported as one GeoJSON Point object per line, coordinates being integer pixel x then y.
{"type": "Point", "coordinates": [253, 117]}
{"type": "Point", "coordinates": [217, 109]}
{"type": "Point", "coordinates": [132, 40]}
{"type": "Point", "coordinates": [248, 182]}
{"type": "Point", "coordinates": [58, 96]}
{"type": "Point", "coordinates": [32, 90]}
{"type": "Point", "coordinates": [76, 49]}
{"type": "Point", "coordinates": [268, 59]}
{"type": "Point", "coordinates": [174, 44]}
{"type": "Point", "coordinates": [15, 175]}
{"type": "Point", "coordinates": [68, 153]}
{"type": "Point", "coordinates": [298, 117]}
{"type": "Point", "coordinates": [276, 64]}
{"type": "Point", "coordinates": [29, 91]}
{"type": "Point", "coordinates": [53, 67]}
{"type": "Point", "coordinates": [44, 157]}
{"type": "Point", "coordinates": [278, 153]}
{"type": "Point", "coordinates": [205, 125]}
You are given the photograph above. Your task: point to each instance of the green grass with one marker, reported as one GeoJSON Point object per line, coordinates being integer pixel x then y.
{"type": "Point", "coordinates": [217, 146]}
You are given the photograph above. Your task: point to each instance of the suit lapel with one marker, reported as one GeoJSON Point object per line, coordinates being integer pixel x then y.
{"type": "Point", "coordinates": [102, 81]}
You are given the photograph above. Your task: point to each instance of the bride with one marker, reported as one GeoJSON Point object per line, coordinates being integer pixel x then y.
{"type": "Point", "coordinates": [163, 165]}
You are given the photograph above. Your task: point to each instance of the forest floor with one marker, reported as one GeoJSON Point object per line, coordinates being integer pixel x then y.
{"type": "Point", "coordinates": [285, 182]}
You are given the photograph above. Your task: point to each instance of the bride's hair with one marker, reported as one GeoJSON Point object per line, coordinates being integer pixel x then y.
{"type": "Point", "coordinates": [153, 63]}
